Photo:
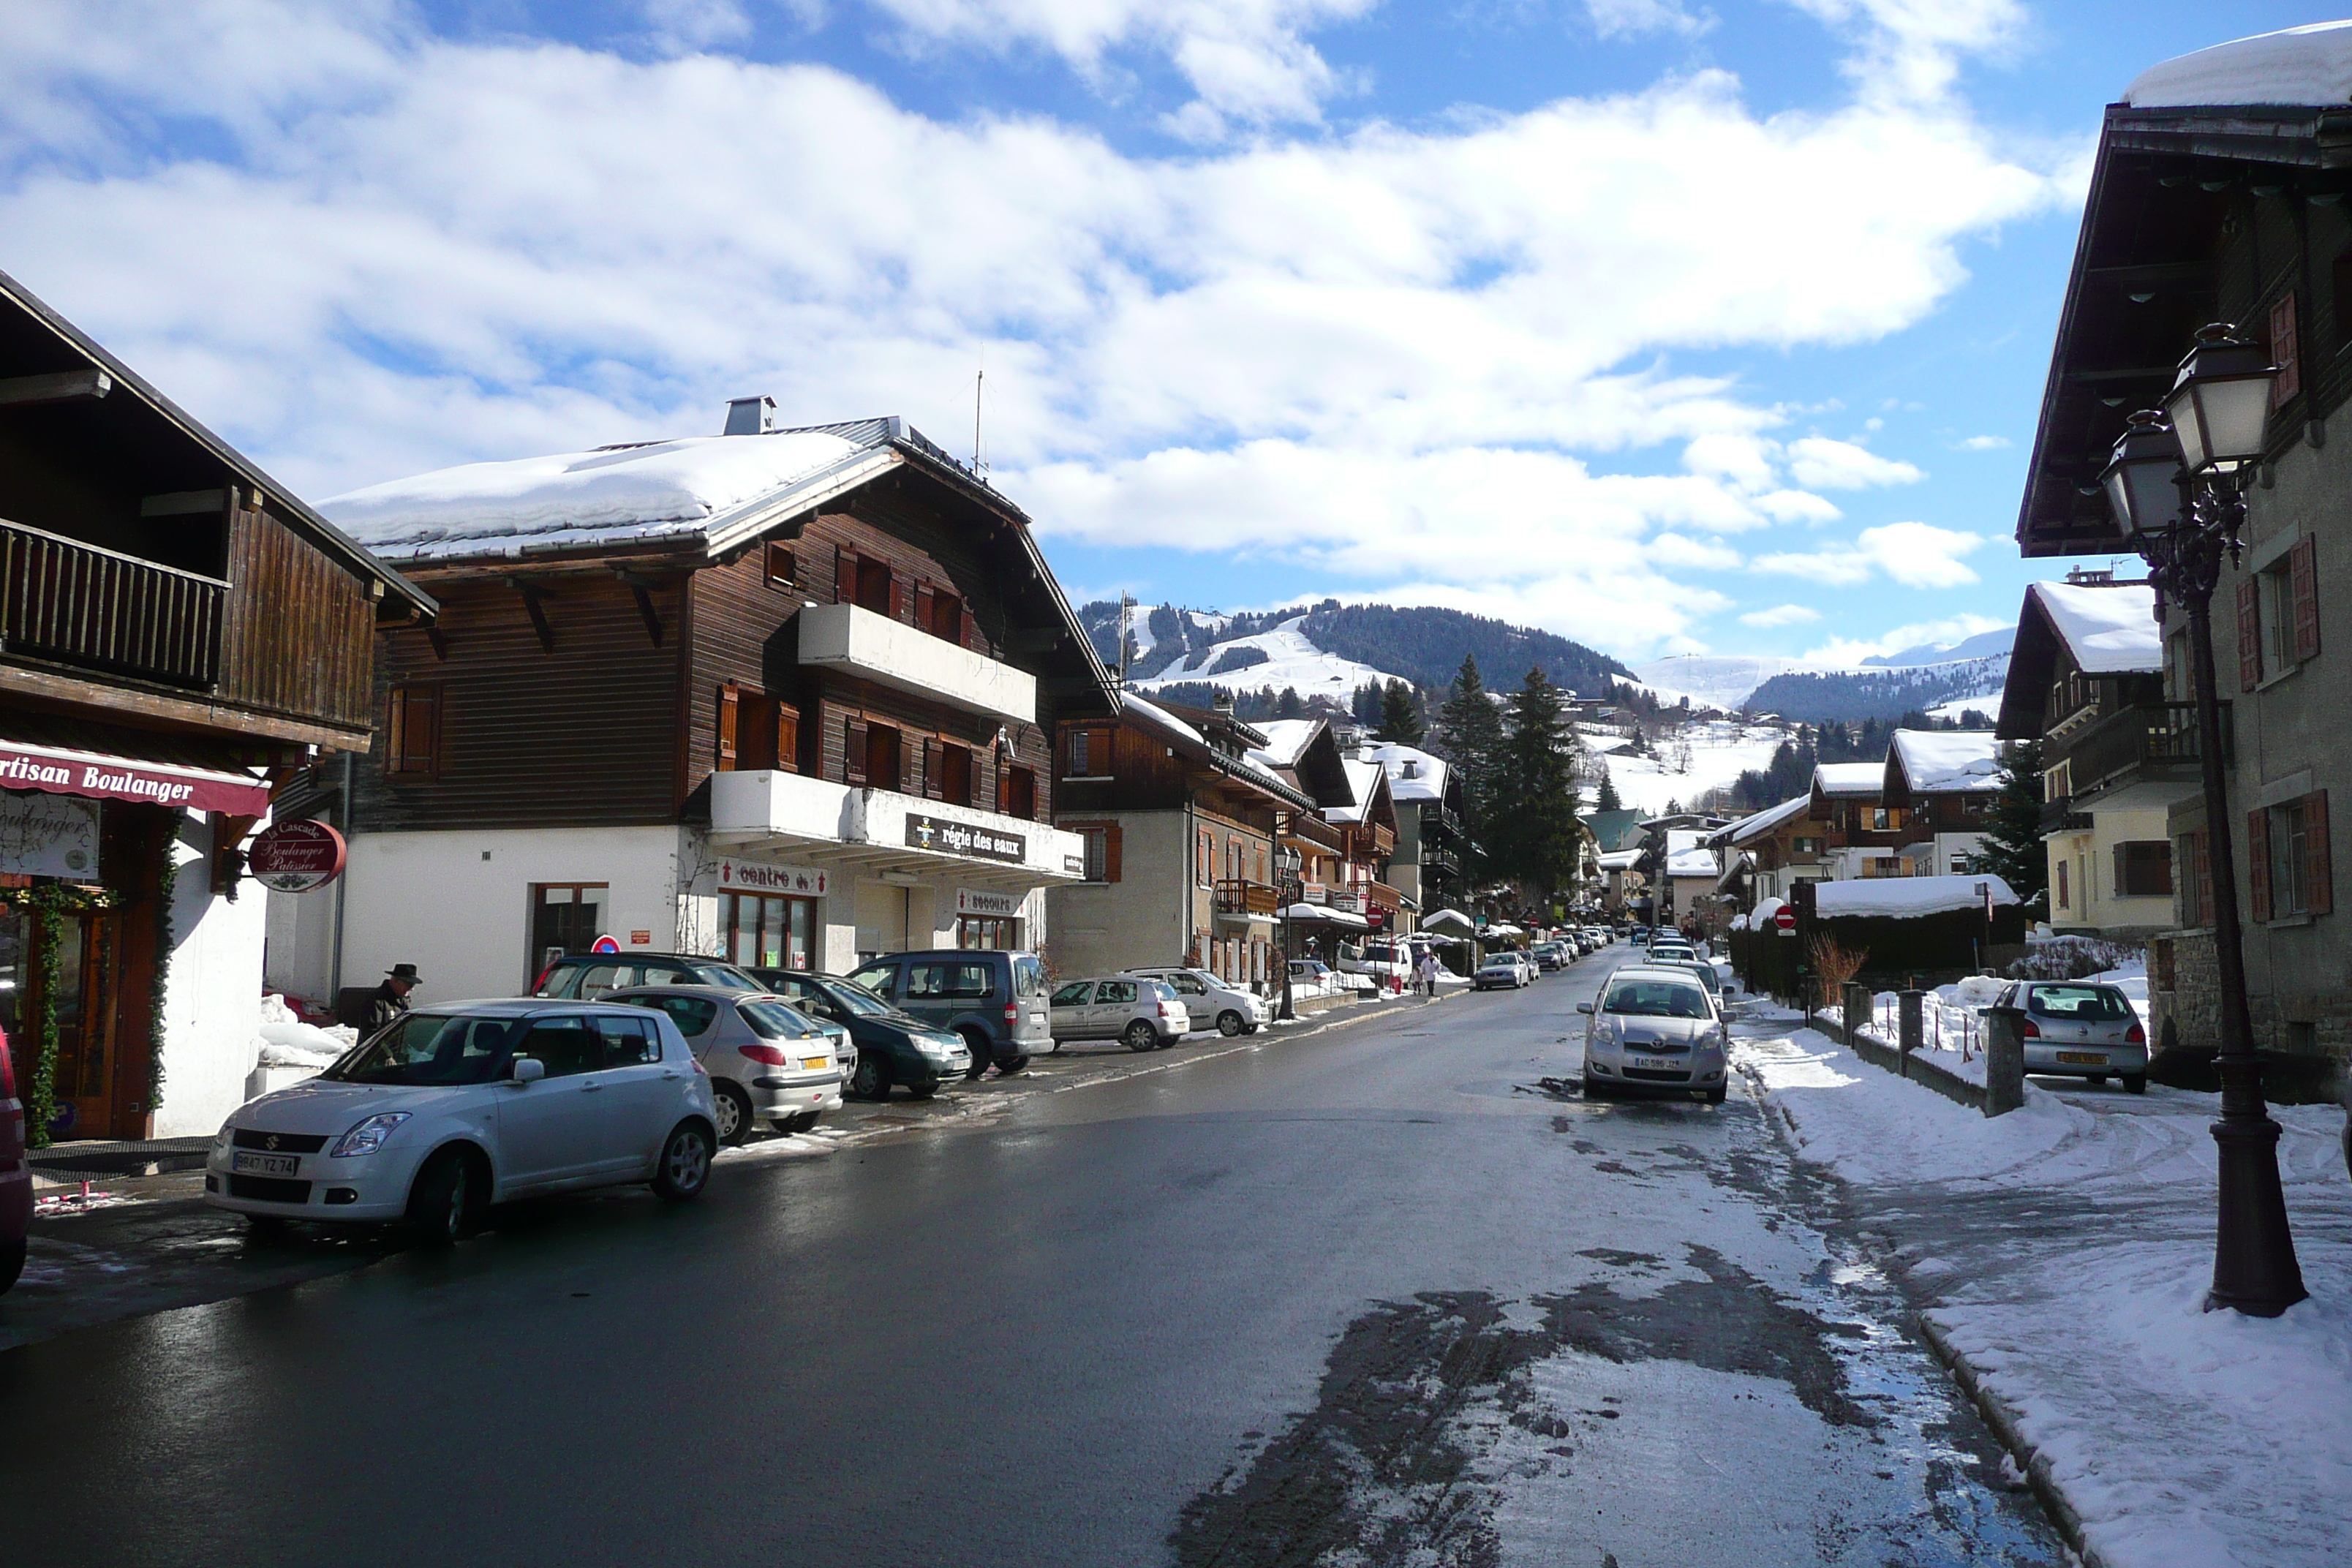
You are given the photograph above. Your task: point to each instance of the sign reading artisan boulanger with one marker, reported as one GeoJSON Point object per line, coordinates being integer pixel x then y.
{"type": "Point", "coordinates": [56, 771]}
{"type": "Point", "coordinates": [964, 838]}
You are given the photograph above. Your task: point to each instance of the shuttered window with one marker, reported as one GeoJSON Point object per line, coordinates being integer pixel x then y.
{"type": "Point", "coordinates": [783, 570]}
{"type": "Point", "coordinates": [788, 738]}
{"type": "Point", "coordinates": [2289, 865]}
{"type": "Point", "coordinates": [853, 751]}
{"type": "Point", "coordinates": [412, 730]}
{"type": "Point", "coordinates": [729, 725]}
{"type": "Point", "coordinates": [2303, 593]}
{"type": "Point", "coordinates": [1021, 794]}
{"type": "Point", "coordinates": [2144, 869]}
{"type": "Point", "coordinates": [2250, 636]}
{"type": "Point", "coordinates": [2285, 351]}
{"type": "Point", "coordinates": [1103, 850]}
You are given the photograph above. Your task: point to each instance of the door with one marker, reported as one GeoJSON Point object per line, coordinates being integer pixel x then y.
{"type": "Point", "coordinates": [566, 916]}
{"type": "Point", "coordinates": [1114, 1004]}
{"type": "Point", "coordinates": [89, 961]}
{"type": "Point", "coordinates": [1069, 1011]}
{"type": "Point", "coordinates": [560, 1128]}
{"type": "Point", "coordinates": [641, 1090]}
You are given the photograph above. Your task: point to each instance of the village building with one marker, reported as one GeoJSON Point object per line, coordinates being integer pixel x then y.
{"type": "Point", "coordinates": [1766, 855]}
{"type": "Point", "coordinates": [178, 634]}
{"type": "Point", "coordinates": [1324, 908]}
{"type": "Point", "coordinates": [1369, 826]}
{"type": "Point", "coordinates": [2086, 678]}
{"type": "Point", "coordinates": [1426, 865]}
{"type": "Point", "coordinates": [1862, 835]}
{"type": "Point", "coordinates": [782, 696]}
{"type": "Point", "coordinates": [2204, 209]}
{"type": "Point", "coordinates": [1945, 783]}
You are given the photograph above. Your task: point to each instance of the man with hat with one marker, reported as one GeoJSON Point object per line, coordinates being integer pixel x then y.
{"type": "Point", "coordinates": [390, 998]}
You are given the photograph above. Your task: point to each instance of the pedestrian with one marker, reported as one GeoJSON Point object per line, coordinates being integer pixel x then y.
{"type": "Point", "coordinates": [1428, 976]}
{"type": "Point", "coordinates": [390, 998]}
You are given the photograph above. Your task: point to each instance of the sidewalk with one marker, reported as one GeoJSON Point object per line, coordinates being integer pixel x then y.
{"type": "Point", "coordinates": [2060, 1254]}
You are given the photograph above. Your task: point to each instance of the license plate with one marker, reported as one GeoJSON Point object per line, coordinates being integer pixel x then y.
{"type": "Point", "coordinates": [813, 1062]}
{"type": "Point", "coordinates": [2082, 1058]}
{"type": "Point", "coordinates": [267, 1164]}
{"type": "Point", "coordinates": [1667, 1062]}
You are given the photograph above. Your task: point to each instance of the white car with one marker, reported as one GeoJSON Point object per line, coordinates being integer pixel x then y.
{"type": "Point", "coordinates": [1142, 1015]}
{"type": "Point", "coordinates": [1233, 1010]}
{"type": "Point", "coordinates": [437, 1117]}
{"type": "Point", "coordinates": [1656, 1030]}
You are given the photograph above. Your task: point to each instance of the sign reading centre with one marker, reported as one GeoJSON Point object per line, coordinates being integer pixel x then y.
{"type": "Point", "coordinates": [964, 838]}
{"type": "Point", "coordinates": [760, 876]}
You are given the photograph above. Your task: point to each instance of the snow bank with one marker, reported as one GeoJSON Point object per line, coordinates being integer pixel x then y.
{"type": "Point", "coordinates": [1907, 896]}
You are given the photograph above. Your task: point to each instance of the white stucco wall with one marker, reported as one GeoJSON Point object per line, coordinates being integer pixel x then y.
{"type": "Point", "coordinates": [212, 1000]}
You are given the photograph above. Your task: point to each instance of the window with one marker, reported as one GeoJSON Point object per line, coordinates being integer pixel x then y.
{"type": "Point", "coordinates": [2144, 869]}
{"type": "Point", "coordinates": [988, 934]}
{"type": "Point", "coordinates": [1021, 793]}
{"type": "Point", "coordinates": [949, 982]}
{"type": "Point", "coordinates": [2288, 859]}
{"type": "Point", "coordinates": [692, 1014]}
{"type": "Point", "coordinates": [955, 774]}
{"type": "Point", "coordinates": [628, 1042]}
{"type": "Point", "coordinates": [2196, 881]}
{"type": "Point", "coordinates": [876, 590]}
{"type": "Point", "coordinates": [2064, 901]}
{"type": "Point", "coordinates": [946, 616]}
{"type": "Point", "coordinates": [728, 725]}
{"type": "Point", "coordinates": [2179, 681]}
{"type": "Point", "coordinates": [1074, 994]}
{"type": "Point", "coordinates": [1086, 754]}
{"type": "Point", "coordinates": [566, 916]}
{"type": "Point", "coordinates": [763, 932]}
{"type": "Point", "coordinates": [1102, 851]}
{"type": "Point", "coordinates": [1205, 859]}
{"type": "Point", "coordinates": [565, 1046]}
{"type": "Point", "coordinates": [783, 570]}
{"type": "Point", "coordinates": [2278, 616]}
{"type": "Point", "coordinates": [1886, 818]}
{"type": "Point", "coordinates": [1806, 845]}
{"type": "Point", "coordinates": [1115, 990]}
{"type": "Point", "coordinates": [412, 730]}
{"type": "Point", "coordinates": [882, 756]}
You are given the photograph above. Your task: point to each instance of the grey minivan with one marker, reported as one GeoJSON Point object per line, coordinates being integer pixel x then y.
{"type": "Point", "coordinates": [995, 1000]}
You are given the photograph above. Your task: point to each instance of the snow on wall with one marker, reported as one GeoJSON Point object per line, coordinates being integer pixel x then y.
{"type": "Point", "coordinates": [1904, 895]}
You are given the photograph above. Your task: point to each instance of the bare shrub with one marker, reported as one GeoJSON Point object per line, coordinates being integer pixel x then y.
{"type": "Point", "coordinates": [1834, 964]}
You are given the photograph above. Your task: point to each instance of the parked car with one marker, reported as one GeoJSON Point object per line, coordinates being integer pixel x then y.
{"type": "Point", "coordinates": [994, 1000]}
{"type": "Point", "coordinates": [1499, 970]}
{"type": "Point", "coordinates": [16, 1176]}
{"type": "Point", "coordinates": [1671, 947]}
{"type": "Point", "coordinates": [1233, 1010]}
{"type": "Point", "coordinates": [893, 1046]}
{"type": "Point", "coordinates": [1551, 955]}
{"type": "Point", "coordinates": [1700, 967]}
{"type": "Point", "coordinates": [2074, 1028]}
{"type": "Point", "coordinates": [1141, 1015]}
{"type": "Point", "coordinates": [1314, 977]}
{"type": "Point", "coordinates": [1381, 963]}
{"type": "Point", "coordinates": [449, 1111]}
{"type": "Point", "coordinates": [767, 1059]}
{"type": "Point", "coordinates": [1655, 1031]}
{"type": "Point", "coordinates": [585, 976]}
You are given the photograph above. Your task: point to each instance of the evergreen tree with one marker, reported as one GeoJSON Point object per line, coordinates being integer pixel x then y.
{"type": "Point", "coordinates": [1535, 823]}
{"type": "Point", "coordinates": [1366, 704]}
{"type": "Point", "coordinates": [1470, 735]}
{"type": "Point", "coordinates": [1399, 719]}
{"type": "Point", "coordinates": [1290, 705]}
{"type": "Point", "coordinates": [2012, 840]}
{"type": "Point", "coordinates": [1607, 800]}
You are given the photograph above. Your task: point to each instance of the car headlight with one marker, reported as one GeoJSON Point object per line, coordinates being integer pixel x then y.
{"type": "Point", "coordinates": [932, 1048]}
{"type": "Point", "coordinates": [221, 1138]}
{"type": "Point", "coordinates": [369, 1135]}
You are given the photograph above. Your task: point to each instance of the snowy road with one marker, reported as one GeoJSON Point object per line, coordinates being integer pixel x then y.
{"type": "Point", "coordinates": [1374, 1297]}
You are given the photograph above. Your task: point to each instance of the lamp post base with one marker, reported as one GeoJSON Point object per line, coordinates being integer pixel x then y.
{"type": "Point", "coordinates": [2254, 1267]}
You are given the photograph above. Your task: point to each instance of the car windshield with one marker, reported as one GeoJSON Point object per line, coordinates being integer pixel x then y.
{"type": "Point", "coordinates": [1657, 999]}
{"type": "Point", "coordinates": [1028, 975]}
{"type": "Point", "coordinates": [726, 976]}
{"type": "Point", "coordinates": [854, 998]}
{"type": "Point", "coordinates": [2079, 1004]}
{"type": "Point", "coordinates": [775, 1020]}
{"type": "Point", "coordinates": [427, 1049]}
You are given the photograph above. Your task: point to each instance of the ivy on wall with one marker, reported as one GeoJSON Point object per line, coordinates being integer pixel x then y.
{"type": "Point", "coordinates": [48, 907]}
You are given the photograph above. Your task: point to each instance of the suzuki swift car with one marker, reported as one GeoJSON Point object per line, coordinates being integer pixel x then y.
{"type": "Point", "coordinates": [1655, 1031]}
{"type": "Point", "coordinates": [1234, 1010]}
{"type": "Point", "coordinates": [442, 1113]}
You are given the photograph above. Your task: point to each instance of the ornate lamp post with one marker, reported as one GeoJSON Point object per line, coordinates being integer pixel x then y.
{"type": "Point", "coordinates": [1290, 871]}
{"type": "Point", "coordinates": [2177, 486]}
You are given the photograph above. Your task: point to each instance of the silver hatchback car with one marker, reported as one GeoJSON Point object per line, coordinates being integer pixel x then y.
{"type": "Point", "coordinates": [767, 1059]}
{"type": "Point", "coordinates": [1655, 1031]}
{"type": "Point", "coordinates": [2074, 1028]}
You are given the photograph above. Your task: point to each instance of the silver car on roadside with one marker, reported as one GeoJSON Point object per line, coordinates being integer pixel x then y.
{"type": "Point", "coordinates": [768, 1060]}
{"type": "Point", "coordinates": [1656, 1030]}
{"type": "Point", "coordinates": [2077, 1028]}
{"type": "Point", "coordinates": [1142, 1015]}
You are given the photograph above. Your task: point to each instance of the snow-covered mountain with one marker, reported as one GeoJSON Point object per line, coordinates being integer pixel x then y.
{"type": "Point", "coordinates": [1712, 680]}
{"type": "Point", "coordinates": [1280, 658]}
{"type": "Point", "coordinates": [1958, 676]}
{"type": "Point", "coordinates": [1708, 755]}
{"type": "Point", "coordinates": [1984, 645]}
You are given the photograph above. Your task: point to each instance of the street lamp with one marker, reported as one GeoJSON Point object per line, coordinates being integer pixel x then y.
{"type": "Point", "coordinates": [2177, 487]}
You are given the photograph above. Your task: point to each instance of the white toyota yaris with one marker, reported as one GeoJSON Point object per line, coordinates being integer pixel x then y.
{"type": "Point", "coordinates": [447, 1112]}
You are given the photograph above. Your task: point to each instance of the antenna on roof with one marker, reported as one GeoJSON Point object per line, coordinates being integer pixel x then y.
{"type": "Point", "coordinates": [978, 382]}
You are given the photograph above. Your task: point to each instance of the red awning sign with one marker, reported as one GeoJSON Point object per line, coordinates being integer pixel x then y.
{"type": "Point", "coordinates": [296, 856]}
{"type": "Point", "coordinates": [54, 770]}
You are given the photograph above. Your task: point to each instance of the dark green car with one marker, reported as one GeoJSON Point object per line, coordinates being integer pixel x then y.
{"type": "Point", "coordinates": [893, 1046]}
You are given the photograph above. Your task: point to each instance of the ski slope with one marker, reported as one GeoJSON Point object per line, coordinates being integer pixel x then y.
{"type": "Point", "coordinates": [1291, 661]}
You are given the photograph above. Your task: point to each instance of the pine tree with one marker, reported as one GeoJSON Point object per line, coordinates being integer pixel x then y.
{"type": "Point", "coordinates": [1470, 735]}
{"type": "Point", "coordinates": [1534, 821]}
{"type": "Point", "coordinates": [1607, 800]}
{"type": "Point", "coordinates": [1290, 705]}
{"type": "Point", "coordinates": [1367, 703]}
{"type": "Point", "coordinates": [1399, 720]}
{"type": "Point", "coordinates": [2012, 840]}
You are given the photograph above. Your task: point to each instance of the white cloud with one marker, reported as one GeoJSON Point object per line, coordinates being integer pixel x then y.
{"type": "Point", "coordinates": [696, 23]}
{"type": "Point", "coordinates": [1639, 18]}
{"type": "Point", "coordinates": [1911, 49]}
{"type": "Point", "coordinates": [1820, 463]}
{"type": "Point", "coordinates": [1984, 444]}
{"type": "Point", "coordinates": [1919, 634]}
{"type": "Point", "coordinates": [1916, 554]}
{"type": "Point", "coordinates": [1780, 615]}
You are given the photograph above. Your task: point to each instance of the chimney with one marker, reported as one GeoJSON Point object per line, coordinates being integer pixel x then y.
{"type": "Point", "coordinates": [1222, 702]}
{"type": "Point", "coordinates": [1411, 768]}
{"type": "Point", "coordinates": [750, 416]}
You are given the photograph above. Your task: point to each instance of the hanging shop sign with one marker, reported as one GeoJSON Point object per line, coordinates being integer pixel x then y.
{"type": "Point", "coordinates": [937, 833]}
{"type": "Point", "coordinates": [48, 836]}
{"type": "Point", "coordinates": [761, 877]}
{"type": "Point", "coordinates": [296, 856]}
{"type": "Point", "coordinates": [974, 901]}
{"type": "Point", "coordinates": [58, 770]}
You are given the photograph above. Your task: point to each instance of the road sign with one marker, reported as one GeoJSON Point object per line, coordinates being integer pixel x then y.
{"type": "Point", "coordinates": [296, 856]}
{"type": "Point", "coordinates": [1784, 919]}
{"type": "Point", "coordinates": [606, 944]}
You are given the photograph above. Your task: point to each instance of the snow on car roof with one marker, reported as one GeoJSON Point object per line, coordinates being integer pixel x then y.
{"type": "Point", "coordinates": [1906, 895]}
{"type": "Point", "coordinates": [1850, 778]}
{"type": "Point", "coordinates": [2308, 65]}
{"type": "Point", "coordinates": [1948, 761]}
{"type": "Point", "coordinates": [2110, 629]}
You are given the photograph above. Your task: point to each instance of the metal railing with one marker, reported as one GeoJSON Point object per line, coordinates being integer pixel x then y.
{"type": "Point", "coordinates": [2159, 737]}
{"type": "Point", "coordinates": [83, 604]}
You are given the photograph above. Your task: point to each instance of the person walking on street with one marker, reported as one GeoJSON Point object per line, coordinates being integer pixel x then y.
{"type": "Point", "coordinates": [1427, 978]}
{"type": "Point", "coordinates": [390, 998]}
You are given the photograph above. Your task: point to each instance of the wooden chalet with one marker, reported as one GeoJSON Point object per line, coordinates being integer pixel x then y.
{"type": "Point", "coordinates": [177, 632]}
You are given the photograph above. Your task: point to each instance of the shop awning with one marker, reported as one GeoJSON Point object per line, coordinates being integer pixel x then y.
{"type": "Point", "coordinates": [101, 775]}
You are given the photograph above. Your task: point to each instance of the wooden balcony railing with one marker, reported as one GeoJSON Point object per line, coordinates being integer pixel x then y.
{"type": "Point", "coordinates": [1234, 897]}
{"type": "Point", "coordinates": [2150, 739]}
{"type": "Point", "coordinates": [84, 604]}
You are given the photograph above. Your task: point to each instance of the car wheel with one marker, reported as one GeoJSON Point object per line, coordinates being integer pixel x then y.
{"type": "Point", "coordinates": [1167, 1040]}
{"type": "Point", "coordinates": [268, 1227]}
{"type": "Point", "coordinates": [872, 1079]}
{"type": "Point", "coordinates": [12, 1263]}
{"type": "Point", "coordinates": [1140, 1036]}
{"type": "Point", "coordinates": [977, 1044]}
{"type": "Point", "coordinates": [2099, 1078]}
{"type": "Point", "coordinates": [443, 1204]}
{"type": "Point", "coordinates": [1229, 1023]}
{"type": "Point", "coordinates": [732, 1108]}
{"type": "Point", "coordinates": [1715, 1096]}
{"type": "Point", "coordinates": [800, 1124]}
{"type": "Point", "coordinates": [1594, 1088]}
{"type": "Point", "coordinates": [1008, 1066]}
{"type": "Point", "coordinates": [921, 1091]}
{"type": "Point", "coordinates": [684, 1168]}
{"type": "Point", "coordinates": [2136, 1082]}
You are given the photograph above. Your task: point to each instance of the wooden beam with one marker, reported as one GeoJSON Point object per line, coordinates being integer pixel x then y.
{"type": "Point", "coordinates": [647, 612]}
{"type": "Point", "coordinates": [533, 597]}
{"type": "Point", "coordinates": [106, 701]}
{"type": "Point", "coordinates": [65, 386]}
{"type": "Point", "coordinates": [183, 503]}
{"type": "Point", "coordinates": [440, 641]}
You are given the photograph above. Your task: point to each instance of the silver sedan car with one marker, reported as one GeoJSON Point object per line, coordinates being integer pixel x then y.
{"type": "Point", "coordinates": [1655, 1031]}
{"type": "Point", "coordinates": [767, 1059]}
{"type": "Point", "coordinates": [2074, 1028]}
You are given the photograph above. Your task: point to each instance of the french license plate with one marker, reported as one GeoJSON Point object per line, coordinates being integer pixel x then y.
{"type": "Point", "coordinates": [813, 1063]}
{"type": "Point", "coordinates": [2082, 1058]}
{"type": "Point", "coordinates": [266, 1164]}
{"type": "Point", "coordinates": [1668, 1063]}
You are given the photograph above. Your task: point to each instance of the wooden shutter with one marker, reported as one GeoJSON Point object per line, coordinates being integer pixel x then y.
{"type": "Point", "coordinates": [853, 751]}
{"type": "Point", "coordinates": [933, 769]}
{"type": "Point", "coordinates": [926, 606]}
{"type": "Point", "coordinates": [844, 575]}
{"type": "Point", "coordinates": [730, 704]}
{"type": "Point", "coordinates": [2201, 887]}
{"type": "Point", "coordinates": [788, 738]}
{"type": "Point", "coordinates": [897, 598]}
{"type": "Point", "coordinates": [755, 733]}
{"type": "Point", "coordinates": [909, 758]}
{"type": "Point", "coordinates": [2284, 351]}
{"type": "Point", "coordinates": [1112, 851]}
{"type": "Point", "coordinates": [2250, 636]}
{"type": "Point", "coordinates": [412, 730]}
{"type": "Point", "coordinates": [2303, 583]}
{"type": "Point", "coordinates": [2258, 861]}
{"type": "Point", "coordinates": [2318, 874]}
{"type": "Point", "coordinates": [782, 571]}
{"type": "Point", "coordinates": [396, 730]}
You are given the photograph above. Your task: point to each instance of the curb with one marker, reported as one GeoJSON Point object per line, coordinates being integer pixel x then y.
{"type": "Point", "coordinates": [2029, 1460]}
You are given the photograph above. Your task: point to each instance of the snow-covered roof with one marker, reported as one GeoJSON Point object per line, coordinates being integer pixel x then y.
{"type": "Point", "coordinates": [1285, 739]}
{"type": "Point", "coordinates": [1906, 895]}
{"type": "Point", "coordinates": [1947, 762]}
{"type": "Point", "coordinates": [1850, 778]}
{"type": "Point", "coordinates": [1428, 781]}
{"type": "Point", "coordinates": [1621, 860]}
{"type": "Point", "coordinates": [1152, 716]}
{"type": "Point", "coordinates": [2309, 64]}
{"type": "Point", "coordinates": [1688, 854]}
{"type": "Point", "coordinates": [648, 491]}
{"type": "Point", "coordinates": [1765, 821]}
{"type": "Point", "coordinates": [1448, 917]}
{"type": "Point", "coordinates": [2109, 628]}
{"type": "Point", "coordinates": [1363, 783]}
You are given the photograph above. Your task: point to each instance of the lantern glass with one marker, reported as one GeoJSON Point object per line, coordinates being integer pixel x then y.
{"type": "Point", "coordinates": [2220, 402]}
{"type": "Point", "coordinates": [2235, 414]}
{"type": "Point", "coordinates": [2142, 478]}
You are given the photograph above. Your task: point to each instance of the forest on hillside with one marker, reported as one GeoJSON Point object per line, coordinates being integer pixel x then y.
{"type": "Point", "coordinates": [1851, 696]}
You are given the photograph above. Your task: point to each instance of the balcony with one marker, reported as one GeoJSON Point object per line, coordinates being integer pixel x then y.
{"type": "Point", "coordinates": [874, 830]}
{"type": "Point", "coordinates": [1248, 900]}
{"type": "Point", "coordinates": [82, 604]}
{"type": "Point", "coordinates": [2151, 744]}
{"type": "Point", "coordinates": [890, 653]}
{"type": "Point", "coordinates": [2060, 817]}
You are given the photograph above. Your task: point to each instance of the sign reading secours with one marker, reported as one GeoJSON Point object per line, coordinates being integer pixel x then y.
{"type": "Point", "coordinates": [964, 838]}
{"type": "Point", "coordinates": [760, 876]}
{"type": "Point", "coordinates": [977, 902]}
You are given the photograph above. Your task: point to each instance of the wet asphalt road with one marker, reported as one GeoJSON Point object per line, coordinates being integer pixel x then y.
{"type": "Point", "coordinates": [1369, 1298]}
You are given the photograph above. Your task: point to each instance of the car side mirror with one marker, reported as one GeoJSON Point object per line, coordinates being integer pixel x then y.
{"type": "Point", "coordinates": [525, 1069]}
{"type": "Point", "coordinates": [1584, 1006]}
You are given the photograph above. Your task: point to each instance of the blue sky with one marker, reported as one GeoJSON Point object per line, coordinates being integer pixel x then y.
{"type": "Point", "coordinates": [1669, 326]}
